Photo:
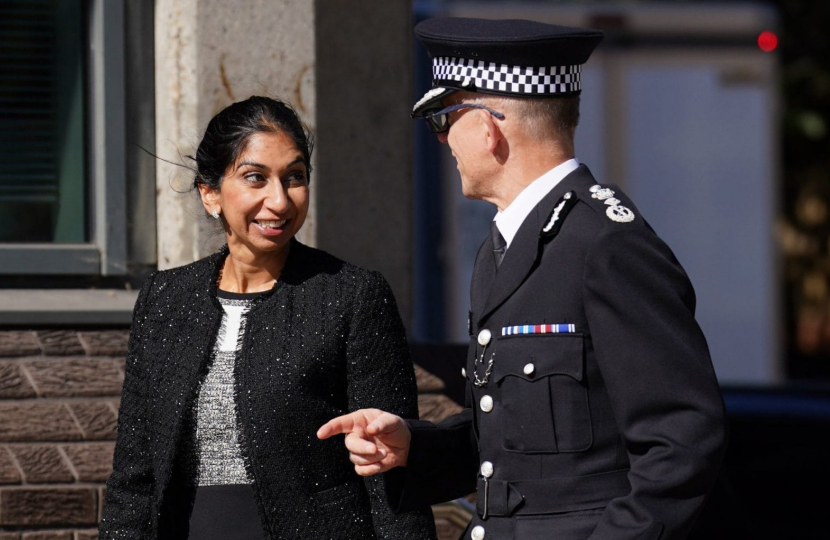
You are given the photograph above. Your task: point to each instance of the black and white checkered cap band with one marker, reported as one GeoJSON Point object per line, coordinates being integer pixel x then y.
{"type": "Point", "coordinates": [508, 79]}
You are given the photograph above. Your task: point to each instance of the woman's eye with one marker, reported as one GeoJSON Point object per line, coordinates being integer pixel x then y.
{"type": "Point", "coordinates": [297, 178]}
{"type": "Point", "coordinates": [254, 178]}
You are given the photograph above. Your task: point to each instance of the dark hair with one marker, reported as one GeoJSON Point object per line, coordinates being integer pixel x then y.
{"type": "Point", "coordinates": [228, 132]}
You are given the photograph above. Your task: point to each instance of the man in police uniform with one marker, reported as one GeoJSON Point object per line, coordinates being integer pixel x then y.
{"type": "Point", "coordinates": [594, 411]}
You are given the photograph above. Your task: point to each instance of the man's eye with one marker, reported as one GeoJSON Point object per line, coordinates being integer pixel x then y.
{"type": "Point", "coordinates": [254, 178]}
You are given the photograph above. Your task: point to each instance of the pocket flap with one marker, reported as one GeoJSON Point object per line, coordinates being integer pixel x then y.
{"type": "Point", "coordinates": [338, 493]}
{"type": "Point", "coordinates": [533, 357]}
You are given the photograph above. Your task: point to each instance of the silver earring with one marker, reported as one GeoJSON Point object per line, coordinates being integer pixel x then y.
{"type": "Point", "coordinates": [215, 214]}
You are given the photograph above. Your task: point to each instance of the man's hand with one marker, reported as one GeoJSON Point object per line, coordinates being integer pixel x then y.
{"type": "Point", "coordinates": [377, 441]}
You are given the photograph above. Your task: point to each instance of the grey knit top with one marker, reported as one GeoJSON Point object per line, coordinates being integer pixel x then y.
{"type": "Point", "coordinates": [217, 434]}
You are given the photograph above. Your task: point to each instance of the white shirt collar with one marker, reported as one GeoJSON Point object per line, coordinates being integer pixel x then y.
{"type": "Point", "coordinates": [511, 218]}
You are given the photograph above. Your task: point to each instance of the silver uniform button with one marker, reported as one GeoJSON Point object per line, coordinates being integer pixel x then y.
{"type": "Point", "coordinates": [486, 403]}
{"type": "Point", "coordinates": [477, 533]}
{"type": "Point", "coordinates": [484, 337]}
{"type": "Point", "coordinates": [529, 369]}
{"type": "Point", "coordinates": [464, 372]}
{"type": "Point", "coordinates": [486, 469]}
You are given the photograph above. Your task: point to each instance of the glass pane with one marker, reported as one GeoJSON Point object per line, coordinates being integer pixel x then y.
{"type": "Point", "coordinates": [42, 187]}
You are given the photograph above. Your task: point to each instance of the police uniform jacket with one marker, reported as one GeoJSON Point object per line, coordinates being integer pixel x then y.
{"type": "Point", "coordinates": [325, 341]}
{"type": "Point", "coordinates": [607, 423]}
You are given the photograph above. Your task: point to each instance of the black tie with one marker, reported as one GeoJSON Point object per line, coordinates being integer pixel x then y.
{"type": "Point", "coordinates": [499, 245]}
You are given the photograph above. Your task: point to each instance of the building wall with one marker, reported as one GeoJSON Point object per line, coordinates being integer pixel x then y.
{"type": "Point", "coordinates": [59, 394]}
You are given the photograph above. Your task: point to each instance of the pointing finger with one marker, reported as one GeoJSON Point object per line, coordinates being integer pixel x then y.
{"type": "Point", "coordinates": [336, 426]}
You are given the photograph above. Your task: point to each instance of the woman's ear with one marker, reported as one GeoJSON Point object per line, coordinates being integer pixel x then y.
{"type": "Point", "coordinates": [210, 198]}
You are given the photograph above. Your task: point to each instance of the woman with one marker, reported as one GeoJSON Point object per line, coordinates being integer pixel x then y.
{"type": "Point", "coordinates": [235, 360]}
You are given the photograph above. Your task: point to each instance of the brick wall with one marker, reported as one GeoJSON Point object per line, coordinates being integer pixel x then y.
{"type": "Point", "coordinates": [59, 394]}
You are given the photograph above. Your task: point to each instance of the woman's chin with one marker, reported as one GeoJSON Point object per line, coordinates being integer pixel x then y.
{"type": "Point", "coordinates": [260, 244]}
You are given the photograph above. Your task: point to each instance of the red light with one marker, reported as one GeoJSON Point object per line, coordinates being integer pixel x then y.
{"type": "Point", "coordinates": [767, 41]}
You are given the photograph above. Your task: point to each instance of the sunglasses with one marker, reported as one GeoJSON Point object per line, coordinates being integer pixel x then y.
{"type": "Point", "coordinates": [439, 122]}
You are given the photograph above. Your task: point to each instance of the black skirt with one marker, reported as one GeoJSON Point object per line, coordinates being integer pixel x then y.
{"type": "Point", "coordinates": [223, 512]}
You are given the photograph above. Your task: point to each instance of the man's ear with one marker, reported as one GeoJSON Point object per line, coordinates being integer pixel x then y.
{"type": "Point", "coordinates": [494, 137]}
{"type": "Point", "coordinates": [210, 198]}
{"type": "Point", "coordinates": [493, 134]}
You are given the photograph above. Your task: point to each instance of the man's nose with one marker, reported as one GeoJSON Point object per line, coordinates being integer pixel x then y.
{"type": "Point", "coordinates": [442, 137]}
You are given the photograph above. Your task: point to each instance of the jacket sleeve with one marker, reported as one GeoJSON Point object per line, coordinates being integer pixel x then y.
{"type": "Point", "coordinates": [443, 464]}
{"type": "Point", "coordinates": [655, 362]}
{"type": "Point", "coordinates": [129, 499]}
{"type": "Point", "coordinates": [380, 375]}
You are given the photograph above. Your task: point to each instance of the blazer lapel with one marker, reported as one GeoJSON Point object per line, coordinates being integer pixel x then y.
{"type": "Point", "coordinates": [524, 251]}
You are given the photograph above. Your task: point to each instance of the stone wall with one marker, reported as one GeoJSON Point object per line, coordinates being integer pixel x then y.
{"type": "Point", "coordinates": [59, 392]}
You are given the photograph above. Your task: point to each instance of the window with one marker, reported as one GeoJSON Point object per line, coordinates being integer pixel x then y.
{"type": "Point", "coordinates": [62, 188]}
{"type": "Point", "coordinates": [42, 191]}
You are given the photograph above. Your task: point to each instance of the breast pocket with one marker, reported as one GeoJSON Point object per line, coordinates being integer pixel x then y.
{"type": "Point", "coordinates": [544, 395]}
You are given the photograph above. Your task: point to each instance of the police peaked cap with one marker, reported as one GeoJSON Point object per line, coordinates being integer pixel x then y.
{"type": "Point", "coordinates": [511, 57]}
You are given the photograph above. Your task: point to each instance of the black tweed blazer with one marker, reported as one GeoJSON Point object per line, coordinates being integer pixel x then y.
{"type": "Point", "coordinates": [326, 340]}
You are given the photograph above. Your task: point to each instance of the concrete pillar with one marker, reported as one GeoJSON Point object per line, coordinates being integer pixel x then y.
{"type": "Point", "coordinates": [345, 66]}
{"type": "Point", "coordinates": [209, 54]}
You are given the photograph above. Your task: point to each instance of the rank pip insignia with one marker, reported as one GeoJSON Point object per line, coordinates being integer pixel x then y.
{"type": "Point", "coordinates": [557, 216]}
{"type": "Point", "coordinates": [615, 211]}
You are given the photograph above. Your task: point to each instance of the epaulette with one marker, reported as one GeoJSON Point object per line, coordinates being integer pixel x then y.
{"type": "Point", "coordinates": [614, 209]}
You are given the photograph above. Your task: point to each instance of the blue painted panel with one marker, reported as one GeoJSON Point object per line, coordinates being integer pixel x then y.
{"type": "Point", "coordinates": [699, 169]}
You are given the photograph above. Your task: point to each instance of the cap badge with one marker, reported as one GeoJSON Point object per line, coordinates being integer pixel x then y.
{"type": "Point", "coordinates": [429, 95]}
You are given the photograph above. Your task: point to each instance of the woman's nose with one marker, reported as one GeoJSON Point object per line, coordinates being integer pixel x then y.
{"type": "Point", "coordinates": [277, 200]}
